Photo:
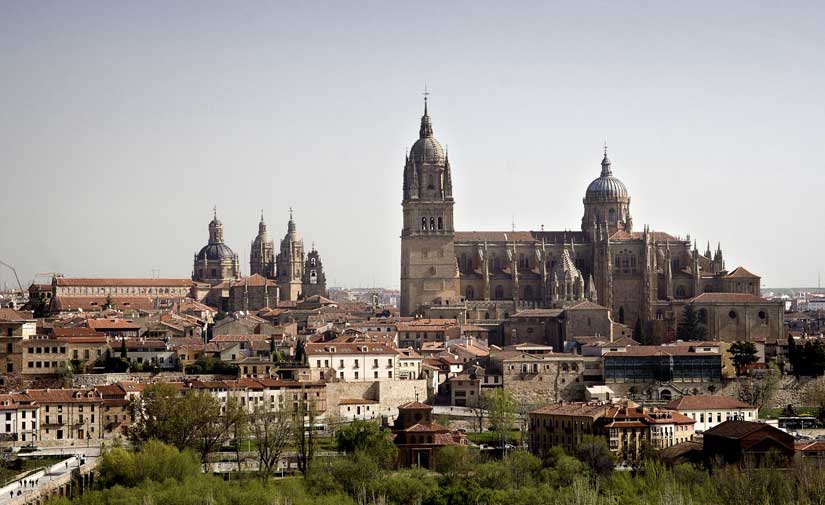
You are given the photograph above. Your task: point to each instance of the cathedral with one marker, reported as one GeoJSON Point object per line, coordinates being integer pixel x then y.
{"type": "Point", "coordinates": [288, 276]}
{"type": "Point", "coordinates": [642, 276]}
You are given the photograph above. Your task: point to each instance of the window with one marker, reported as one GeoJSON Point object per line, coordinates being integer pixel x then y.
{"type": "Point", "coordinates": [440, 224]}
{"type": "Point", "coordinates": [499, 292]}
{"type": "Point", "coordinates": [432, 223]}
{"type": "Point", "coordinates": [423, 223]}
{"type": "Point", "coordinates": [469, 293]}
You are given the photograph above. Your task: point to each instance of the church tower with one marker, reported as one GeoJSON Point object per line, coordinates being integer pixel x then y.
{"type": "Point", "coordinates": [607, 202]}
{"type": "Point", "coordinates": [215, 262]}
{"type": "Point", "coordinates": [429, 272]}
{"type": "Point", "coordinates": [262, 253]}
{"type": "Point", "coordinates": [314, 280]}
{"type": "Point", "coordinates": [290, 263]}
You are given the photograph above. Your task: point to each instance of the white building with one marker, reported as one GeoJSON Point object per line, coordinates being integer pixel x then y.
{"type": "Point", "coordinates": [352, 409]}
{"type": "Point", "coordinates": [18, 418]}
{"type": "Point", "coordinates": [352, 361]}
{"type": "Point", "coordinates": [409, 364]}
{"type": "Point", "coordinates": [709, 411]}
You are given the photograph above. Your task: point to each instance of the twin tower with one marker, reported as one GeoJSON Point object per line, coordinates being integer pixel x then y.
{"type": "Point", "coordinates": [296, 274]}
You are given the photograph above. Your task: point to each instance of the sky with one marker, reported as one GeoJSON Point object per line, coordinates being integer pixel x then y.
{"type": "Point", "coordinates": [123, 123]}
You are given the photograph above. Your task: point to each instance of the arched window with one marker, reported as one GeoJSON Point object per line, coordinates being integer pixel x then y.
{"type": "Point", "coordinates": [621, 315]}
{"type": "Point", "coordinates": [496, 263]}
{"type": "Point", "coordinates": [611, 216]}
{"type": "Point", "coordinates": [431, 184]}
{"type": "Point", "coordinates": [432, 223]}
{"type": "Point", "coordinates": [423, 223]}
{"type": "Point", "coordinates": [462, 264]}
{"type": "Point", "coordinates": [703, 316]}
{"type": "Point", "coordinates": [440, 223]}
{"type": "Point", "coordinates": [680, 292]}
{"type": "Point", "coordinates": [469, 293]}
{"type": "Point", "coordinates": [486, 315]}
{"type": "Point", "coordinates": [312, 262]}
{"type": "Point", "coordinates": [660, 315]}
{"type": "Point", "coordinates": [528, 292]}
{"type": "Point", "coordinates": [523, 262]}
{"type": "Point", "coordinates": [499, 292]}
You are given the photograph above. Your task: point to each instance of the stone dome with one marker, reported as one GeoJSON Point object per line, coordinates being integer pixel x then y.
{"type": "Point", "coordinates": [216, 252]}
{"type": "Point", "coordinates": [607, 187]}
{"type": "Point", "coordinates": [428, 150]}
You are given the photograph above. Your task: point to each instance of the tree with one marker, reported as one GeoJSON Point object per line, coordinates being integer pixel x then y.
{"type": "Point", "coordinates": [368, 437]}
{"type": "Point", "coordinates": [814, 396]}
{"type": "Point", "coordinates": [502, 409]}
{"type": "Point", "coordinates": [272, 431]}
{"type": "Point", "coordinates": [594, 452]}
{"type": "Point", "coordinates": [742, 354]}
{"type": "Point", "coordinates": [758, 390]}
{"type": "Point", "coordinates": [638, 332]}
{"type": "Point", "coordinates": [303, 432]}
{"type": "Point", "coordinates": [690, 327]}
{"type": "Point", "coordinates": [479, 410]}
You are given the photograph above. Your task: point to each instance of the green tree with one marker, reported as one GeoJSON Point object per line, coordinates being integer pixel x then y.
{"type": "Point", "coordinates": [638, 332]}
{"type": "Point", "coordinates": [594, 452]}
{"type": "Point", "coordinates": [742, 354]}
{"type": "Point", "coordinates": [501, 411]}
{"type": "Point", "coordinates": [690, 327]}
{"type": "Point", "coordinates": [368, 437]}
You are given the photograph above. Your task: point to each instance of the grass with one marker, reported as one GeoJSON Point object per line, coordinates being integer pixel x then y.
{"type": "Point", "coordinates": [773, 413]}
{"type": "Point", "coordinates": [492, 438]}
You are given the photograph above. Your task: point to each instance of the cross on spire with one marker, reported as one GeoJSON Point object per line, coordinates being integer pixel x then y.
{"type": "Point", "coordinates": [290, 213]}
{"type": "Point", "coordinates": [426, 94]}
{"type": "Point", "coordinates": [215, 211]}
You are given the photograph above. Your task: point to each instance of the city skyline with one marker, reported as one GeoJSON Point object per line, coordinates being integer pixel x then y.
{"type": "Point", "coordinates": [115, 155]}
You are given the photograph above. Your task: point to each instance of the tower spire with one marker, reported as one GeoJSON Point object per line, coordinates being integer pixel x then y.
{"type": "Point", "coordinates": [606, 163]}
{"type": "Point", "coordinates": [426, 129]}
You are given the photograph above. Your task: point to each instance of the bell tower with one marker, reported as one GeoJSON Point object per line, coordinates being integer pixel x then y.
{"type": "Point", "coordinates": [429, 272]}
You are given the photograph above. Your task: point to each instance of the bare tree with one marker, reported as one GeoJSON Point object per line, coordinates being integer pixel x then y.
{"type": "Point", "coordinates": [303, 429]}
{"type": "Point", "coordinates": [272, 431]}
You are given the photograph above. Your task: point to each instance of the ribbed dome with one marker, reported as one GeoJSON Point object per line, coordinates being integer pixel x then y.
{"type": "Point", "coordinates": [216, 252]}
{"type": "Point", "coordinates": [428, 150]}
{"type": "Point", "coordinates": [607, 187]}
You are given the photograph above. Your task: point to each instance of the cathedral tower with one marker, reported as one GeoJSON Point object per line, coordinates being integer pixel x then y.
{"type": "Point", "coordinates": [429, 272]}
{"type": "Point", "coordinates": [262, 253]}
{"type": "Point", "coordinates": [290, 263]}
{"type": "Point", "coordinates": [607, 202]}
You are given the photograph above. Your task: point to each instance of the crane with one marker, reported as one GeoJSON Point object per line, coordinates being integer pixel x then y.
{"type": "Point", "coordinates": [15, 275]}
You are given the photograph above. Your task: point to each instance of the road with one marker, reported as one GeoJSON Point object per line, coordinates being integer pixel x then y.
{"type": "Point", "coordinates": [75, 457]}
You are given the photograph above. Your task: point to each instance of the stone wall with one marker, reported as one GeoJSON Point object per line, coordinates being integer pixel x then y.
{"type": "Point", "coordinates": [388, 394]}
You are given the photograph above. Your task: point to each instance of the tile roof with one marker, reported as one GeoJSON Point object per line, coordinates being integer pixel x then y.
{"type": "Point", "coordinates": [740, 272]}
{"type": "Point", "coordinates": [349, 348]}
{"type": "Point", "coordinates": [94, 303]}
{"type": "Point", "coordinates": [14, 316]}
{"type": "Point", "coordinates": [727, 298]}
{"type": "Point", "coordinates": [75, 332]}
{"type": "Point", "coordinates": [572, 409]}
{"type": "Point", "coordinates": [415, 405]}
{"type": "Point", "coordinates": [123, 282]}
{"type": "Point", "coordinates": [735, 429]}
{"type": "Point", "coordinates": [356, 401]}
{"type": "Point", "coordinates": [111, 324]}
{"type": "Point", "coordinates": [702, 402]}
{"type": "Point", "coordinates": [586, 305]}
{"type": "Point", "coordinates": [64, 395]}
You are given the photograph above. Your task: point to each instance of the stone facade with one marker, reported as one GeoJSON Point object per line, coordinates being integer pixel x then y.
{"type": "Point", "coordinates": [487, 276]}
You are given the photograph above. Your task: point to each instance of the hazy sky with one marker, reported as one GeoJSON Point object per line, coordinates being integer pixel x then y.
{"type": "Point", "coordinates": [123, 123]}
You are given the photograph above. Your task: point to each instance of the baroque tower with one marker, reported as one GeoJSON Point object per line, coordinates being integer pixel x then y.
{"type": "Point", "coordinates": [429, 272]}
{"type": "Point", "coordinates": [314, 280]}
{"type": "Point", "coordinates": [262, 253]}
{"type": "Point", "coordinates": [290, 263]}
{"type": "Point", "coordinates": [215, 262]}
